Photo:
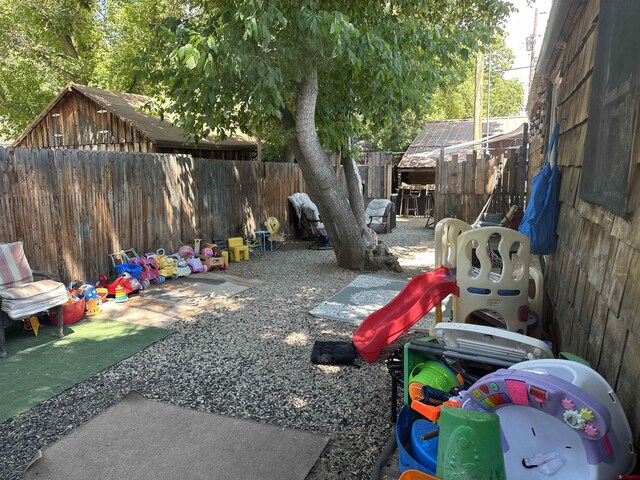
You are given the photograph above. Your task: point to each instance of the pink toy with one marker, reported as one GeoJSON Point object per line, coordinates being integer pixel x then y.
{"type": "Point", "coordinates": [154, 269]}
{"type": "Point", "coordinates": [207, 252]}
{"type": "Point", "coordinates": [146, 273]}
{"type": "Point", "coordinates": [186, 251]}
{"type": "Point", "coordinates": [195, 264]}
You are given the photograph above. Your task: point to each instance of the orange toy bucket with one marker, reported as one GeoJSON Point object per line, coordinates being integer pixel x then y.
{"type": "Point", "coordinates": [417, 475]}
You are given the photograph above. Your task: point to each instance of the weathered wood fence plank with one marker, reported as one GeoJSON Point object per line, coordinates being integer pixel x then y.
{"type": "Point", "coordinates": [463, 185]}
{"type": "Point", "coordinates": [73, 207]}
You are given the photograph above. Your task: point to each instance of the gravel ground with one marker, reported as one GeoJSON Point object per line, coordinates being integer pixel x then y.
{"type": "Point", "coordinates": [248, 357]}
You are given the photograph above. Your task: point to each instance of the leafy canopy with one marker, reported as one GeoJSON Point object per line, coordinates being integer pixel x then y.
{"type": "Point", "coordinates": [238, 64]}
{"type": "Point", "coordinates": [46, 44]}
{"type": "Point", "coordinates": [454, 99]}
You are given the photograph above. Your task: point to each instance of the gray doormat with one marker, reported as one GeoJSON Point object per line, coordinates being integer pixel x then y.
{"type": "Point", "coordinates": [142, 439]}
{"type": "Point", "coordinates": [363, 296]}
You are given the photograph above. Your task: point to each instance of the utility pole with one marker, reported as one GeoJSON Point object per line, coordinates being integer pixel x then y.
{"type": "Point", "coordinates": [531, 45]}
{"type": "Point", "coordinates": [477, 104]}
{"type": "Point", "coordinates": [488, 101]}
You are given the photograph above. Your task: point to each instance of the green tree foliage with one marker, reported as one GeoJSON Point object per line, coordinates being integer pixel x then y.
{"type": "Point", "coordinates": [132, 48]}
{"type": "Point", "coordinates": [46, 44]}
{"type": "Point", "coordinates": [239, 63]}
{"type": "Point", "coordinates": [454, 98]}
{"type": "Point", "coordinates": [319, 70]}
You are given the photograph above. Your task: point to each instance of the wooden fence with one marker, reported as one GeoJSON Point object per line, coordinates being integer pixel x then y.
{"type": "Point", "coordinates": [71, 208]}
{"type": "Point", "coordinates": [464, 184]}
{"type": "Point", "coordinates": [376, 171]}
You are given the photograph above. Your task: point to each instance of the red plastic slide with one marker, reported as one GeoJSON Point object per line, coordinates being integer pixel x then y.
{"type": "Point", "coordinates": [416, 299]}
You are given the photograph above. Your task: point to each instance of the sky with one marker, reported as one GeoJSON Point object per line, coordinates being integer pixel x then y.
{"type": "Point", "coordinates": [519, 27]}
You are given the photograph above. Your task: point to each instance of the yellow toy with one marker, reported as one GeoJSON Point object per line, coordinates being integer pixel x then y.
{"type": "Point", "coordinates": [237, 249]}
{"type": "Point", "coordinates": [92, 305]}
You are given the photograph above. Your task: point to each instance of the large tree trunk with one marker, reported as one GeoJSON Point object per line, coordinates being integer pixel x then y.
{"type": "Point", "coordinates": [354, 190]}
{"type": "Point", "coordinates": [335, 211]}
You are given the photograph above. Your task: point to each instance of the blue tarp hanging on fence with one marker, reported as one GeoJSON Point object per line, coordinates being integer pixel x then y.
{"type": "Point", "coordinates": [541, 216]}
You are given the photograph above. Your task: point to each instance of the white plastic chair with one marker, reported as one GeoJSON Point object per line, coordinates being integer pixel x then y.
{"type": "Point", "coordinates": [504, 292]}
{"type": "Point", "coordinates": [446, 236]}
{"type": "Point", "coordinates": [535, 302]}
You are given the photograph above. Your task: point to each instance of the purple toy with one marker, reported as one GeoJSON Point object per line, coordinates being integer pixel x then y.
{"type": "Point", "coordinates": [558, 418]}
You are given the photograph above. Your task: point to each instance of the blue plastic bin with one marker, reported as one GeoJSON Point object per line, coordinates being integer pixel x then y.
{"type": "Point", "coordinates": [403, 436]}
{"type": "Point", "coordinates": [424, 451]}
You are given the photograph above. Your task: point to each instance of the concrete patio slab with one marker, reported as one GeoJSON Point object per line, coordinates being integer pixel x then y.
{"type": "Point", "coordinates": [163, 305]}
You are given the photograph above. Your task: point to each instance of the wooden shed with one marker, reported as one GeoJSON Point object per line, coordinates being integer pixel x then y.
{"type": "Point", "coordinates": [588, 80]}
{"type": "Point", "coordinates": [90, 118]}
{"type": "Point", "coordinates": [417, 168]}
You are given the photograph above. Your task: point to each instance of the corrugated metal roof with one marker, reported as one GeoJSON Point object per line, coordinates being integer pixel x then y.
{"type": "Point", "coordinates": [445, 133]}
{"type": "Point", "coordinates": [128, 106]}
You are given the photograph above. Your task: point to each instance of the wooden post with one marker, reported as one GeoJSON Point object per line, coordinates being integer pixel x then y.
{"type": "Point", "coordinates": [477, 103]}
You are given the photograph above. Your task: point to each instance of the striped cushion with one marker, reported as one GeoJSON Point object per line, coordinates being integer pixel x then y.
{"type": "Point", "coordinates": [30, 290]}
{"type": "Point", "coordinates": [14, 268]}
{"type": "Point", "coordinates": [32, 298]}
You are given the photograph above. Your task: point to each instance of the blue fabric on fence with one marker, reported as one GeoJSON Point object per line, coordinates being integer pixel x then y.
{"type": "Point", "coordinates": [541, 216]}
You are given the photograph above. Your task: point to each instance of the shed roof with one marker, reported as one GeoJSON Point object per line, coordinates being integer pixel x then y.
{"type": "Point", "coordinates": [128, 107]}
{"type": "Point", "coordinates": [445, 133]}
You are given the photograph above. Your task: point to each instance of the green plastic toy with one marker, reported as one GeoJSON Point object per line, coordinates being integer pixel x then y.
{"type": "Point", "coordinates": [435, 375]}
{"type": "Point", "coordinates": [470, 446]}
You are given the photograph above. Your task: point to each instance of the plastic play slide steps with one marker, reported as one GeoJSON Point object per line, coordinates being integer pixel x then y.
{"type": "Point", "coordinates": [416, 299]}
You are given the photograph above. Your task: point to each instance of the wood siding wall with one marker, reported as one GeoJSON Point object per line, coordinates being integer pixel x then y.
{"type": "Point", "coordinates": [593, 279]}
{"type": "Point", "coordinates": [77, 122]}
{"type": "Point", "coordinates": [71, 208]}
{"type": "Point", "coordinates": [463, 185]}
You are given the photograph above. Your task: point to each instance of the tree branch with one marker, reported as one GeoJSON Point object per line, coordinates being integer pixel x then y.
{"type": "Point", "coordinates": [354, 190]}
{"type": "Point", "coordinates": [67, 47]}
{"type": "Point", "coordinates": [287, 120]}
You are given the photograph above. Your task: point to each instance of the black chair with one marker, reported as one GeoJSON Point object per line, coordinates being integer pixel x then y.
{"type": "Point", "coordinates": [429, 210]}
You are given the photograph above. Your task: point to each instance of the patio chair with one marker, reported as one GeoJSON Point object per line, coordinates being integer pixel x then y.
{"type": "Point", "coordinates": [276, 235]}
{"type": "Point", "coordinates": [237, 249]}
{"type": "Point", "coordinates": [380, 215]}
{"type": "Point", "coordinates": [309, 221]}
{"type": "Point", "coordinates": [409, 201]}
{"type": "Point", "coordinates": [446, 233]}
{"type": "Point", "coordinates": [496, 219]}
{"type": "Point", "coordinates": [252, 241]}
{"type": "Point", "coordinates": [20, 296]}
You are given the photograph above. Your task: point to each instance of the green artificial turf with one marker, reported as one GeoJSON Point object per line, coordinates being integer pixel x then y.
{"type": "Point", "coordinates": [41, 367]}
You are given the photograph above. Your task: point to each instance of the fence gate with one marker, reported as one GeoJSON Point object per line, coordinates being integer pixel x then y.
{"type": "Point", "coordinates": [464, 184]}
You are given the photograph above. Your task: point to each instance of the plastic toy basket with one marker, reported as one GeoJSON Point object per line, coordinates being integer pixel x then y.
{"type": "Point", "coordinates": [71, 313]}
{"type": "Point", "coordinates": [130, 268]}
